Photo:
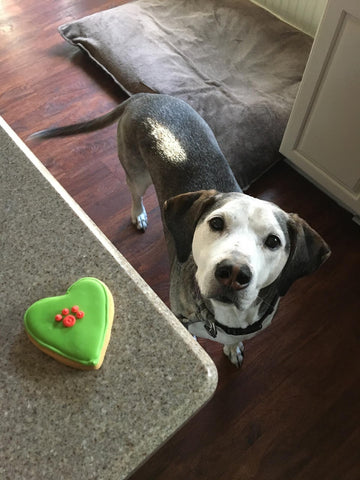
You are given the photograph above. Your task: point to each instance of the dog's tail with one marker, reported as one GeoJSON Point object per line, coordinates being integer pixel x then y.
{"type": "Point", "coordinates": [82, 127]}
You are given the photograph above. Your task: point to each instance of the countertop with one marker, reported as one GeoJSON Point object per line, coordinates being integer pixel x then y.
{"type": "Point", "coordinates": [63, 423]}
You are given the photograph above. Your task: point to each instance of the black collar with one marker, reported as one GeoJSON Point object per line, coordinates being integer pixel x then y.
{"type": "Point", "coordinates": [254, 327]}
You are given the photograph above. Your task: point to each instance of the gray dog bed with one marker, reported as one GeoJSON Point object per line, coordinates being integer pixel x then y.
{"type": "Point", "coordinates": [235, 63]}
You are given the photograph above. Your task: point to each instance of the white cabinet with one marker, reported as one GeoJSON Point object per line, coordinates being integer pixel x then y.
{"type": "Point", "coordinates": [322, 138]}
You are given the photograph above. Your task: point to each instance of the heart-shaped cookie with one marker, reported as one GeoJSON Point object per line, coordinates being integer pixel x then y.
{"type": "Point", "coordinates": [73, 328]}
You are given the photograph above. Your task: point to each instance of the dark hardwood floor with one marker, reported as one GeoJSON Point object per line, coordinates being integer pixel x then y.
{"type": "Point", "coordinates": [293, 410]}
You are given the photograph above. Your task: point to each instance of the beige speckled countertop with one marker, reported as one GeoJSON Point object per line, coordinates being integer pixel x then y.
{"type": "Point", "coordinates": [58, 422]}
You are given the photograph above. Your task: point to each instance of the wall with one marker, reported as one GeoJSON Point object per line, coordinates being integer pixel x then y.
{"type": "Point", "coordinates": [303, 14]}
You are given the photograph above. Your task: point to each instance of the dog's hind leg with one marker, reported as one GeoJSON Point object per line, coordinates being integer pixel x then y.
{"type": "Point", "coordinates": [137, 175]}
{"type": "Point", "coordinates": [138, 186]}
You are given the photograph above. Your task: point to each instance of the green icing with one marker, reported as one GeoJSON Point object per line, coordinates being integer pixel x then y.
{"type": "Point", "coordinates": [82, 342]}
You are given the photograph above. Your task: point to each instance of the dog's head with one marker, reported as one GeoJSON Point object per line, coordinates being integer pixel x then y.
{"type": "Point", "coordinates": [241, 244]}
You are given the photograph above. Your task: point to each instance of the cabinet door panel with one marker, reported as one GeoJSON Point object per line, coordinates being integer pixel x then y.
{"type": "Point", "coordinates": [323, 134]}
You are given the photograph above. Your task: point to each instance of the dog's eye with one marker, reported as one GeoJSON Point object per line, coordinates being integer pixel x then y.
{"type": "Point", "coordinates": [273, 242]}
{"type": "Point", "coordinates": [216, 223]}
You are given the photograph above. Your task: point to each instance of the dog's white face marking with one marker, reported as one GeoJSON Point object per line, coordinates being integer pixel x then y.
{"type": "Point", "coordinates": [242, 231]}
{"type": "Point", "coordinates": [166, 143]}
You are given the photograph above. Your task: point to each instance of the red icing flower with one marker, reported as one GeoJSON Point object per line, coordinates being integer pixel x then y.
{"type": "Point", "coordinates": [69, 321]}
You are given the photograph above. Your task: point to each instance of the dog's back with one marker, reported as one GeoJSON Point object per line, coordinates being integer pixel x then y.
{"type": "Point", "coordinates": [177, 146]}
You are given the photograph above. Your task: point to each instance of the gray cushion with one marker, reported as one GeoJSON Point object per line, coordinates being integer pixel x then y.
{"type": "Point", "coordinates": [235, 63]}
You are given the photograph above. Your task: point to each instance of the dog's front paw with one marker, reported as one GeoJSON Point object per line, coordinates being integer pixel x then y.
{"type": "Point", "coordinates": [235, 353]}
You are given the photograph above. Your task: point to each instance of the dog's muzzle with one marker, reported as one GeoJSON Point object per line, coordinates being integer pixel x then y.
{"type": "Point", "coordinates": [231, 278]}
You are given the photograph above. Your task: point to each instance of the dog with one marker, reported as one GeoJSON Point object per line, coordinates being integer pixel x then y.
{"type": "Point", "coordinates": [232, 256]}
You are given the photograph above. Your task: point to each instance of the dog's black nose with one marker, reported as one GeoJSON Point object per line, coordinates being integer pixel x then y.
{"type": "Point", "coordinates": [235, 277]}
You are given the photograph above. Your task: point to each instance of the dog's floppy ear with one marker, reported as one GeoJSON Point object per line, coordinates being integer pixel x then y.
{"type": "Point", "coordinates": [181, 214]}
{"type": "Point", "coordinates": [307, 252]}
